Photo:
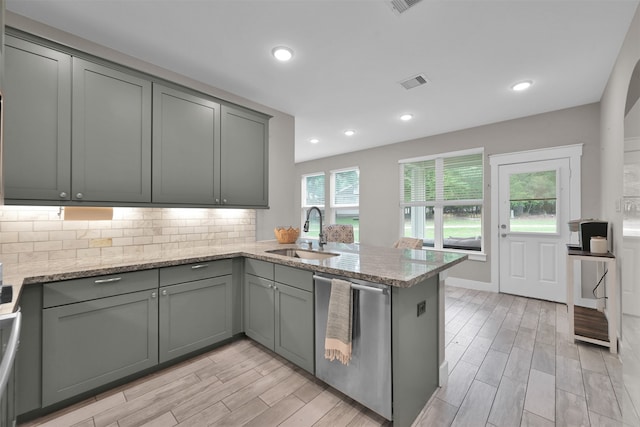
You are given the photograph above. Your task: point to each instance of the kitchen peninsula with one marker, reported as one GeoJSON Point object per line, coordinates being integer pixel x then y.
{"type": "Point", "coordinates": [51, 290]}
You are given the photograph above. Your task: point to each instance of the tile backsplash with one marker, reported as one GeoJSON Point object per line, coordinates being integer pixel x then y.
{"type": "Point", "coordinates": [38, 233]}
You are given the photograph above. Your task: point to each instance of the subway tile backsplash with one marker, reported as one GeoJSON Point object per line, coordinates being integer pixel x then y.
{"type": "Point", "coordinates": [38, 233]}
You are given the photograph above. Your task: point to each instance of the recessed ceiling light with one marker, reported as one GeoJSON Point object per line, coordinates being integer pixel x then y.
{"type": "Point", "coordinates": [406, 117]}
{"type": "Point", "coordinates": [520, 86]}
{"type": "Point", "coordinates": [314, 140]}
{"type": "Point", "coordinates": [349, 132]}
{"type": "Point", "coordinates": [282, 53]}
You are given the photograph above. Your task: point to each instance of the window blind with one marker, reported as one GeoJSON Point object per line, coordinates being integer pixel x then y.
{"type": "Point", "coordinates": [346, 188]}
{"type": "Point", "coordinates": [444, 179]}
{"type": "Point", "coordinates": [313, 190]}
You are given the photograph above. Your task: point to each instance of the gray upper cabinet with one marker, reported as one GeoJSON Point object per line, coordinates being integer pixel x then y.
{"type": "Point", "coordinates": [244, 172]}
{"type": "Point", "coordinates": [83, 132]}
{"type": "Point", "coordinates": [37, 100]}
{"type": "Point", "coordinates": [111, 157]}
{"type": "Point", "coordinates": [186, 148]}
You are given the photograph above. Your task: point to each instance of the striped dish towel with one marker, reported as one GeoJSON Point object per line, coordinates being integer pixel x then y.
{"type": "Point", "coordinates": [337, 342]}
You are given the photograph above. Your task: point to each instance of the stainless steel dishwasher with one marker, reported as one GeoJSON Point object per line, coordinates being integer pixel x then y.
{"type": "Point", "coordinates": [367, 378]}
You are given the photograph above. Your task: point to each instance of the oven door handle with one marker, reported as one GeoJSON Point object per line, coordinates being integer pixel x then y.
{"type": "Point", "coordinates": [354, 285]}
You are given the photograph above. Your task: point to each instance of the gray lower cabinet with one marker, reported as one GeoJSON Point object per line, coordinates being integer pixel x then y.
{"type": "Point", "coordinates": [186, 137]}
{"type": "Point", "coordinates": [97, 330]}
{"type": "Point", "coordinates": [244, 170]}
{"type": "Point", "coordinates": [111, 133]}
{"type": "Point", "coordinates": [37, 101]}
{"type": "Point", "coordinates": [195, 307]}
{"type": "Point", "coordinates": [279, 310]}
{"type": "Point", "coordinates": [92, 343]}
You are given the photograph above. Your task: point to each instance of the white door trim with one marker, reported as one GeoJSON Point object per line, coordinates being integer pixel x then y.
{"type": "Point", "coordinates": [573, 153]}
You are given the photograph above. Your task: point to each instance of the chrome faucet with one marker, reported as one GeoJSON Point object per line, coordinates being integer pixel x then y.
{"type": "Point", "coordinates": [322, 239]}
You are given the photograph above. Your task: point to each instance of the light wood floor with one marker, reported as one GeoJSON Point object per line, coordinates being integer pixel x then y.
{"type": "Point", "coordinates": [510, 364]}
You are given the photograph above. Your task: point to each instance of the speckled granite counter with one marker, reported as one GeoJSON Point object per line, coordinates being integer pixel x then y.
{"type": "Point", "coordinates": [389, 266]}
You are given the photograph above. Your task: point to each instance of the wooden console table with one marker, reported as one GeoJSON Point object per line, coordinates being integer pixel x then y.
{"type": "Point", "coordinates": [596, 326]}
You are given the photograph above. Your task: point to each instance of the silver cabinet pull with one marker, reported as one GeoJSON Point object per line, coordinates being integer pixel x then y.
{"type": "Point", "coordinates": [217, 200]}
{"type": "Point", "coordinates": [153, 294]}
{"type": "Point", "coordinates": [111, 280]}
{"type": "Point", "coordinates": [195, 267]}
{"type": "Point", "coordinates": [63, 195]}
{"type": "Point", "coordinates": [275, 288]}
{"type": "Point", "coordinates": [503, 235]}
{"type": "Point", "coordinates": [164, 292]}
{"type": "Point", "coordinates": [79, 196]}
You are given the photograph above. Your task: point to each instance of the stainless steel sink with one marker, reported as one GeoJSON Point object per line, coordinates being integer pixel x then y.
{"type": "Point", "coordinates": [302, 253]}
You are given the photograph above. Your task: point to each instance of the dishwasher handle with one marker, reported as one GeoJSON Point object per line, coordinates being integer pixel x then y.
{"type": "Point", "coordinates": [354, 285]}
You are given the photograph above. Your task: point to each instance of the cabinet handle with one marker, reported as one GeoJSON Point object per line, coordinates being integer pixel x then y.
{"type": "Point", "coordinates": [164, 292]}
{"type": "Point", "coordinates": [217, 201]}
{"type": "Point", "coordinates": [111, 280]}
{"type": "Point", "coordinates": [153, 294]}
{"type": "Point", "coordinates": [63, 195]}
{"type": "Point", "coordinates": [224, 201]}
{"type": "Point", "coordinates": [195, 267]}
{"type": "Point", "coordinates": [79, 196]}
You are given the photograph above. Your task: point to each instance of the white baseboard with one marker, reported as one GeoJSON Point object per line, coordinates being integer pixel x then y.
{"type": "Point", "coordinates": [471, 284]}
{"type": "Point", "coordinates": [443, 374]}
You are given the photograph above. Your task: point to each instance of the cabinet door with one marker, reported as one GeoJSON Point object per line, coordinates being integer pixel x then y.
{"type": "Point", "coordinates": [244, 172]}
{"type": "Point", "coordinates": [259, 310]}
{"type": "Point", "coordinates": [37, 103]}
{"type": "Point", "coordinates": [111, 158]}
{"type": "Point", "coordinates": [186, 148]}
{"type": "Point", "coordinates": [294, 329]}
{"type": "Point", "coordinates": [92, 343]}
{"type": "Point", "coordinates": [194, 315]}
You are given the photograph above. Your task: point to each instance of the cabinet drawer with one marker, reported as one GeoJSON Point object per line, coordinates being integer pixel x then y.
{"type": "Point", "coordinates": [301, 279]}
{"type": "Point", "coordinates": [70, 291]}
{"type": "Point", "coordinates": [259, 268]}
{"type": "Point", "coordinates": [197, 271]}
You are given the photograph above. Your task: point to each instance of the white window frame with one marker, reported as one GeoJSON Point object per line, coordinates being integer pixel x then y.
{"type": "Point", "coordinates": [438, 205]}
{"type": "Point", "coordinates": [303, 194]}
{"type": "Point", "coordinates": [333, 207]}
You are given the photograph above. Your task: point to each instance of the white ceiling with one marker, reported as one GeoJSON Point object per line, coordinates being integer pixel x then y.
{"type": "Point", "coordinates": [351, 54]}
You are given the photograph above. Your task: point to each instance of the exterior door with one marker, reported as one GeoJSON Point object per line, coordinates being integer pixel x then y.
{"type": "Point", "coordinates": [534, 207]}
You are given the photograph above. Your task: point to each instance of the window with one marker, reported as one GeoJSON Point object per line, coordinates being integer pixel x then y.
{"type": "Point", "coordinates": [441, 200]}
{"type": "Point", "coordinates": [312, 195]}
{"type": "Point", "coordinates": [345, 199]}
{"type": "Point", "coordinates": [631, 190]}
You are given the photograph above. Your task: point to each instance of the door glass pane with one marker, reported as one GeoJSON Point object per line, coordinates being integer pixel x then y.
{"type": "Point", "coordinates": [532, 198]}
{"type": "Point", "coordinates": [462, 227]}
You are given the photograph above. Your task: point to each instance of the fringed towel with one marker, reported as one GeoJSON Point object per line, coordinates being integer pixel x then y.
{"type": "Point", "coordinates": [337, 342]}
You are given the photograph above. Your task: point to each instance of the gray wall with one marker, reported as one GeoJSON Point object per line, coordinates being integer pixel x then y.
{"type": "Point", "coordinates": [380, 181]}
{"type": "Point", "coordinates": [612, 134]}
{"type": "Point", "coordinates": [281, 126]}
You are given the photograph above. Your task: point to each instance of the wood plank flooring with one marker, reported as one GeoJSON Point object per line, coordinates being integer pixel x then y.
{"type": "Point", "coordinates": [510, 362]}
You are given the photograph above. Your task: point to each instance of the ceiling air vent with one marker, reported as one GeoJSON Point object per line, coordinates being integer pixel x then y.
{"type": "Point", "coordinates": [400, 6]}
{"type": "Point", "coordinates": [414, 81]}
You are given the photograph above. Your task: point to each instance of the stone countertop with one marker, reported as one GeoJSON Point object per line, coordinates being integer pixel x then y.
{"type": "Point", "coordinates": [389, 266]}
